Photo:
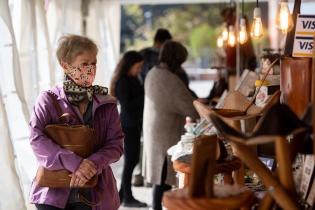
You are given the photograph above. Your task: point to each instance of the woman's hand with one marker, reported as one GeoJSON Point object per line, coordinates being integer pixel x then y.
{"type": "Point", "coordinates": [86, 170]}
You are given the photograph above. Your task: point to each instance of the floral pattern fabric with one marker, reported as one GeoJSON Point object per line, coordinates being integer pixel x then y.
{"type": "Point", "coordinates": [83, 75]}
{"type": "Point", "coordinates": [76, 93]}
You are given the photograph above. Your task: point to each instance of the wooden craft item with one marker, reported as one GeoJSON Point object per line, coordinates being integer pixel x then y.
{"type": "Point", "coordinates": [203, 165]}
{"type": "Point", "coordinates": [236, 104]}
{"type": "Point", "coordinates": [295, 83]}
{"type": "Point", "coordinates": [282, 190]}
{"type": "Point", "coordinates": [266, 203]}
{"type": "Point", "coordinates": [229, 110]}
{"type": "Point", "coordinates": [274, 187]}
{"type": "Point", "coordinates": [284, 171]}
{"type": "Point", "coordinates": [180, 200]}
{"type": "Point", "coordinates": [226, 168]}
{"type": "Point", "coordinates": [313, 96]}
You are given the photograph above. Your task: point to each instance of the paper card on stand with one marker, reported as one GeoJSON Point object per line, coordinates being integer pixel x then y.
{"type": "Point", "coordinates": [311, 196]}
{"type": "Point", "coordinates": [307, 174]}
{"type": "Point", "coordinates": [304, 36]}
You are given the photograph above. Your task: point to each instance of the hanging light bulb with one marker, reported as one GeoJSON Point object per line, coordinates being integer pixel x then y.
{"type": "Point", "coordinates": [232, 38]}
{"type": "Point", "coordinates": [225, 32]}
{"type": "Point", "coordinates": [257, 28]}
{"type": "Point", "coordinates": [242, 35]}
{"type": "Point", "coordinates": [284, 19]}
{"type": "Point", "coordinates": [220, 42]}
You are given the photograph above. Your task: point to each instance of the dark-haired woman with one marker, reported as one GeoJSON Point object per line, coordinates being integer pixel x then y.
{"type": "Point", "coordinates": [130, 94]}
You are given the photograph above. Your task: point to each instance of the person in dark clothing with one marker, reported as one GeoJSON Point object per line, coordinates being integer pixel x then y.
{"type": "Point", "coordinates": [158, 190]}
{"type": "Point", "coordinates": [130, 93]}
{"type": "Point", "coordinates": [184, 77]}
{"type": "Point", "coordinates": [151, 54]}
{"type": "Point", "coordinates": [218, 88]}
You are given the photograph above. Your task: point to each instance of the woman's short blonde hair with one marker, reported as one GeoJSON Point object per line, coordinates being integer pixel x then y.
{"type": "Point", "coordinates": [70, 46]}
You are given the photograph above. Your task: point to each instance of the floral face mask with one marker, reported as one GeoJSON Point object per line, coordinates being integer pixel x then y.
{"type": "Point", "coordinates": [83, 75]}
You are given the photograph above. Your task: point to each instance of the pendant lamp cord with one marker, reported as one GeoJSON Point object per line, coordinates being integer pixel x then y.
{"type": "Point", "coordinates": [242, 8]}
{"type": "Point", "coordinates": [257, 3]}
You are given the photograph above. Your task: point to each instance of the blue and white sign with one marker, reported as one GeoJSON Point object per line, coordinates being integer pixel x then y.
{"type": "Point", "coordinates": [304, 36]}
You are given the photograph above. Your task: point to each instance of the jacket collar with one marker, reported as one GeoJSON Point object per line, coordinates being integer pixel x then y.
{"type": "Point", "coordinates": [98, 99]}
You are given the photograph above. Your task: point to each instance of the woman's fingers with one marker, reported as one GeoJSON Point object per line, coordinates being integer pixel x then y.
{"type": "Point", "coordinates": [91, 174]}
{"type": "Point", "coordinates": [72, 181]}
{"type": "Point", "coordinates": [77, 182]}
{"type": "Point", "coordinates": [78, 179]}
{"type": "Point", "coordinates": [87, 172]}
{"type": "Point", "coordinates": [90, 163]}
{"type": "Point", "coordinates": [81, 183]}
{"type": "Point", "coordinates": [93, 171]}
{"type": "Point", "coordinates": [82, 175]}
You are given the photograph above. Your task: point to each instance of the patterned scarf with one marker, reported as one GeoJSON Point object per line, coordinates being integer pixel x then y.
{"type": "Point", "coordinates": [76, 93]}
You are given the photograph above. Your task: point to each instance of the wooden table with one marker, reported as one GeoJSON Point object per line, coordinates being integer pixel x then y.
{"type": "Point", "coordinates": [179, 200]}
{"type": "Point", "coordinates": [226, 168]}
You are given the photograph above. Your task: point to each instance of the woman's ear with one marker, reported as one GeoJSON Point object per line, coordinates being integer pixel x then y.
{"type": "Point", "coordinates": [64, 65]}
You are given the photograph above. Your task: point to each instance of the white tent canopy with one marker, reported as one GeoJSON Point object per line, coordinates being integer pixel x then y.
{"type": "Point", "coordinates": [179, 1]}
{"type": "Point", "coordinates": [30, 30]}
{"type": "Point", "coordinates": [29, 35]}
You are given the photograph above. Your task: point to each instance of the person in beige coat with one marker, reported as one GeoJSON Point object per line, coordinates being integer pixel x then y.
{"type": "Point", "coordinates": [167, 103]}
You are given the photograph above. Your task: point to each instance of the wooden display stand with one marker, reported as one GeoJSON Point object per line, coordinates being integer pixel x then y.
{"type": "Point", "coordinates": [180, 200]}
{"type": "Point", "coordinates": [313, 96]}
{"type": "Point", "coordinates": [296, 83]}
{"type": "Point", "coordinates": [236, 102]}
{"type": "Point", "coordinates": [280, 187]}
{"type": "Point", "coordinates": [200, 193]}
{"type": "Point", "coordinates": [226, 168]}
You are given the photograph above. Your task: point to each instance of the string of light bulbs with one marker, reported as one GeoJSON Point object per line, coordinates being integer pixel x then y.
{"type": "Point", "coordinates": [284, 23]}
{"type": "Point", "coordinates": [257, 27]}
{"type": "Point", "coordinates": [284, 20]}
{"type": "Point", "coordinates": [242, 34]}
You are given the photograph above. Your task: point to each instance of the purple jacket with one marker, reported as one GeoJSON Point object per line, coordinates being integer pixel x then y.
{"type": "Point", "coordinates": [51, 156]}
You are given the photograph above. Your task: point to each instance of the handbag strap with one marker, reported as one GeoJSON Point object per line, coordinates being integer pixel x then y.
{"type": "Point", "coordinates": [87, 201]}
{"type": "Point", "coordinates": [55, 103]}
{"type": "Point", "coordinates": [60, 113]}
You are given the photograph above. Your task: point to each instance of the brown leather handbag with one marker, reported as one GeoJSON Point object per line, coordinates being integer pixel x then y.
{"type": "Point", "coordinates": [79, 139]}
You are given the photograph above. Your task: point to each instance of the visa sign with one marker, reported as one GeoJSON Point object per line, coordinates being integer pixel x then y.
{"type": "Point", "coordinates": [304, 36]}
{"type": "Point", "coordinates": [305, 25]}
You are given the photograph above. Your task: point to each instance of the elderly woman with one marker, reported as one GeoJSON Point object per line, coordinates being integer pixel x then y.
{"type": "Point", "coordinates": [96, 109]}
{"type": "Point", "coordinates": [167, 103]}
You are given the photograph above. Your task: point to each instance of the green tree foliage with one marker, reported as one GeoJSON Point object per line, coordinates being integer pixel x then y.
{"type": "Point", "coordinates": [136, 12]}
{"type": "Point", "coordinates": [187, 18]}
{"type": "Point", "coordinates": [202, 36]}
{"type": "Point", "coordinates": [197, 26]}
